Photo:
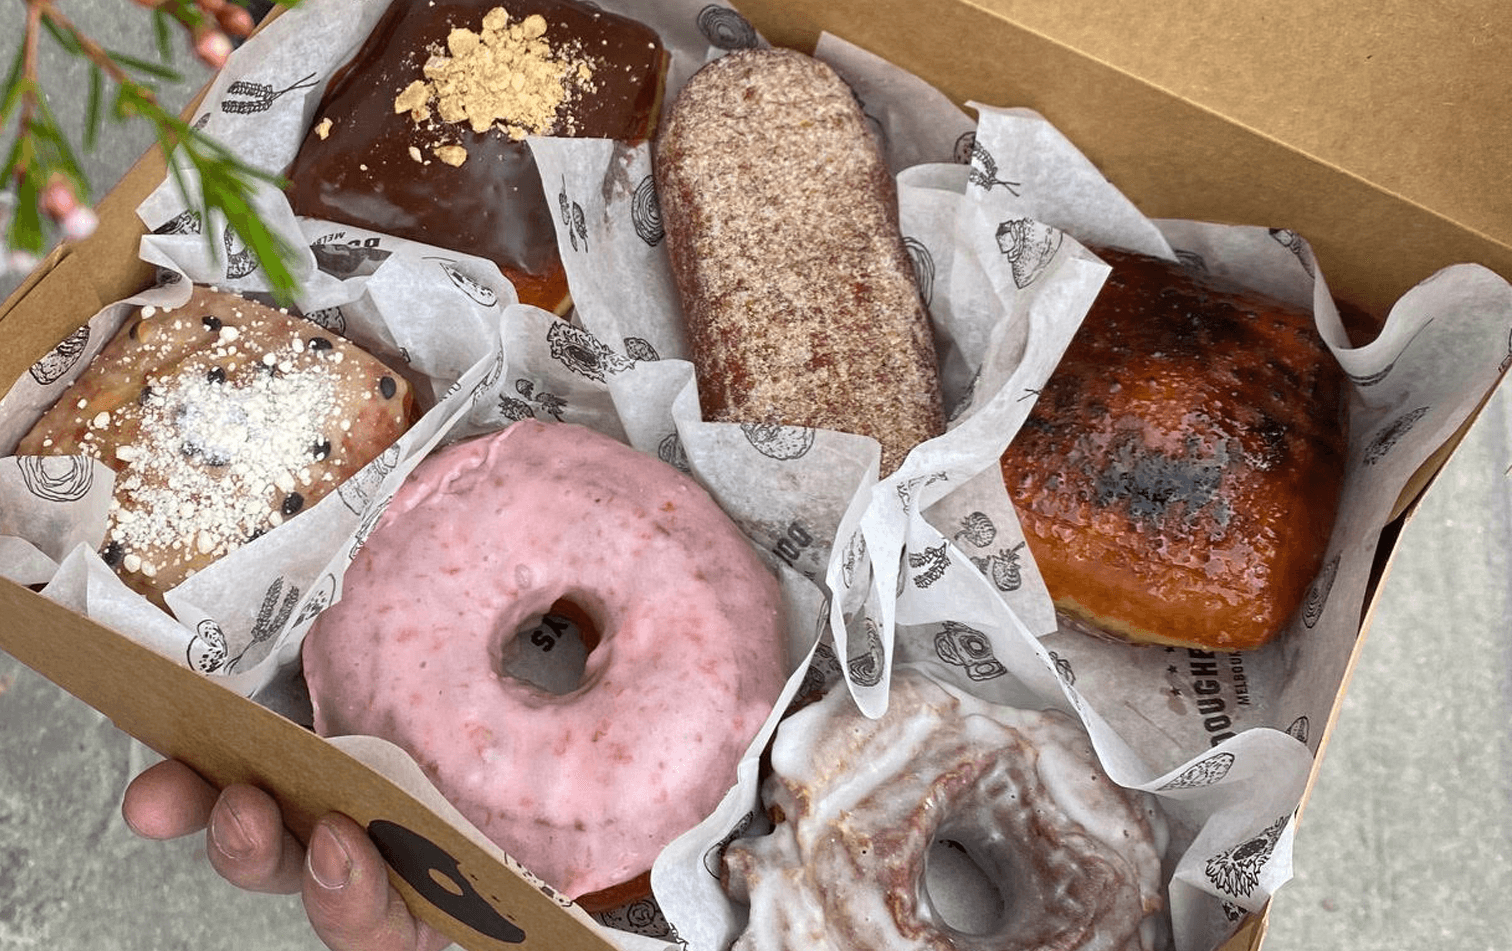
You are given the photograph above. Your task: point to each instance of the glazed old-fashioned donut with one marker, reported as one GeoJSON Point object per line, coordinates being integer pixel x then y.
{"type": "Point", "coordinates": [782, 229]}
{"type": "Point", "coordinates": [585, 788]}
{"type": "Point", "coordinates": [222, 418]}
{"type": "Point", "coordinates": [858, 804]}
{"type": "Point", "coordinates": [422, 134]}
{"type": "Point", "coordinates": [1178, 477]}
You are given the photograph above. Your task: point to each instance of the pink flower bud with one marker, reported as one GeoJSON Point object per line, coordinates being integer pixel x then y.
{"type": "Point", "coordinates": [211, 46]}
{"type": "Point", "coordinates": [236, 21]}
{"type": "Point", "coordinates": [79, 223]}
{"type": "Point", "coordinates": [58, 198]}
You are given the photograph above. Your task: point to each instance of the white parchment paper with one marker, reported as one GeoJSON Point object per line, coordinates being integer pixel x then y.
{"type": "Point", "coordinates": [926, 566]}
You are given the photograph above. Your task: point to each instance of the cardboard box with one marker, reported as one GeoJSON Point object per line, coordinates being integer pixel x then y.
{"type": "Point", "coordinates": [1195, 109]}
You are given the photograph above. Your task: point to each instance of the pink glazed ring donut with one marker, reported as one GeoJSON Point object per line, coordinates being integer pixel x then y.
{"type": "Point", "coordinates": [584, 788]}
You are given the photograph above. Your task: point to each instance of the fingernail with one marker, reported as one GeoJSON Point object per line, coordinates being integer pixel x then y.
{"type": "Point", "coordinates": [327, 861]}
{"type": "Point", "coordinates": [228, 835]}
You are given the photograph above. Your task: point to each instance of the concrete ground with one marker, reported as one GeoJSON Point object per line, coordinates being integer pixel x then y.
{"type": "Point", "coordinates": [1406, 843]}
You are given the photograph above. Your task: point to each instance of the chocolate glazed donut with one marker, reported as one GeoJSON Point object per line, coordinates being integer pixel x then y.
{"type": "Point", "coordinates": [782, 227]}
{"type": "Point", "coordinates": [409, 166]}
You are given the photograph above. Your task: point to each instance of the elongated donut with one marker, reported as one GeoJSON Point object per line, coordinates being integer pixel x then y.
{"type": "Point", "coordinates": [782, 227]}
{"type": "Point", "coordinates": [859, 803]}
{"type": "Point", "coordinates": [584, 788]}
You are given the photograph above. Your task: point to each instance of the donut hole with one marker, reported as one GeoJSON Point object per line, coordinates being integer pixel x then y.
{"type": "Point", "coordinates": [963, 889]}
{"type": "Point", "coordinates": [550, 651]}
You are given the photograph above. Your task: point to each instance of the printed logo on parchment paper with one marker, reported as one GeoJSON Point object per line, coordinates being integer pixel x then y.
{"type": "Point", "coordinates": [209, 651]}
{"type": "Point", "coordinates": [583, 353]}
{"type": "Point", "coordinates": [1237, 871]}
{"type": "Point", "coordinates": [866, 667]}
{"type": "Point", "coordinates": [923, 268]}
{"type": "Point", "coordinates": [645, 212]}
{"type": "Point", "coordinates": [1219, 688]}
{"type": "Point", "coordinates": [713, 858]}
{"type": "Point", "coordinates": [574, 222]}
{"type": "Point", "coordinates": [1191, 260]}
{"type": "Point", "coordinates": [670, 450]}
{"type": "Point", "coordinates": [1207, 772]}
{"type": "Point", "coordinates": [240, 260]}
{"type": "Point", "coordinates": [1300, 728]}
{"type": "Point", "coordinates": [1063, 669]}
{"type": "Point", "coordinates": [643, 917]}
{"type": "Point", "coordinates": [1384, 441]}
{"type": "Point", "coordinates": [56, 478]}
{"type": "Point", "coordinates": [1294, 243]}
{"type": "Point", "coordinates": [984, 171]}
{"type": "Point", "coordinates": [725, 29]}
{"type": "Point", "coordinates": [930, 565]}
{"type": "Point", "coordinates": [1029, 246]}
{"type": "Point", "coordinates": [778, 441]}
{"type": "Point", "coordinates": [359, 257]}
{"type": "Point", "coordinates": [1317, 595]}
{"type": "Point", "coordinates": [245, 97]}
{"type": "Point", "coordinates": [968, 648]}
{"type": "Point", "coordinates": [530, 402]}
{"type": "Point", "coordinates": [185, 222]}
{"type": "Point", "coordinates": [964, 149]}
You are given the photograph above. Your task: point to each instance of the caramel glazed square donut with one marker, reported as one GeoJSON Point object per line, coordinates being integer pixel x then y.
{"type": "Point", "coordinates": [222, 418]}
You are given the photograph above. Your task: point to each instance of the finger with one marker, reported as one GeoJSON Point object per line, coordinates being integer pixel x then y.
{"type": "Point", "coordinates": [348, 898]}
{"type": "Point", "coordinates": [248, 844]}
{"type": "Point", "coordinates": [167, 800]}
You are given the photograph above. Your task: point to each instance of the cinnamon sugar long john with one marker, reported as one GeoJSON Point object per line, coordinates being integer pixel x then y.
{"type": "Point", "coordinates": [782, 226]}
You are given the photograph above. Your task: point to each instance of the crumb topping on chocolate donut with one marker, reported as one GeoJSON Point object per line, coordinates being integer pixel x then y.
{"type": "Point", "coordinates": [507, 74]}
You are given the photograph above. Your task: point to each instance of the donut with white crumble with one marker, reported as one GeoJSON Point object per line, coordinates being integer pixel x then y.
{"type": "Point", "coordinates": [222, 418]}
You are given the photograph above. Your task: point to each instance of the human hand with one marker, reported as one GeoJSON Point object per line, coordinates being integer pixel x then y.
{"type": "Point", "coordinates": [341, 878]}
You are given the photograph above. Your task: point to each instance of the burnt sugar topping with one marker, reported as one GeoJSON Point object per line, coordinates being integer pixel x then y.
{"type": "Point", "coordinates": [1179, 475]}
{"type": "Point", "coordinates": [421, 134]}
{"type": "Point", "coordinates": [222, 419]}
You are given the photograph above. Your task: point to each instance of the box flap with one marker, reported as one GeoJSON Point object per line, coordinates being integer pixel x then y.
{"type": "Point", "coordinates": [1180, 159]}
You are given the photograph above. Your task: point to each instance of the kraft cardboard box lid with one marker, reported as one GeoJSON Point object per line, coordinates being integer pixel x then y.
{"type": "Point", "coordinates": [1373, 132]}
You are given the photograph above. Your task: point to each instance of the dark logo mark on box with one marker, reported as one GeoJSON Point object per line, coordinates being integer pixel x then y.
{"type": "Point", "coordinates": [439, 879]}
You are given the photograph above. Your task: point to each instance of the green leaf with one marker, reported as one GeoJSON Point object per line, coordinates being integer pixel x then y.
{"type": "Point", "coordinates": [66, 39]}
{"type": "Point", "coordinates": [26, 223]}
{"type": "Point", "coordinates": [155, 70]}
{"type": "Point", "coordinates": [15, 85]}
{"type": "Point", "coordinates": [92, 115]}
{"type": "Point", "coordinates": [162, 29]}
